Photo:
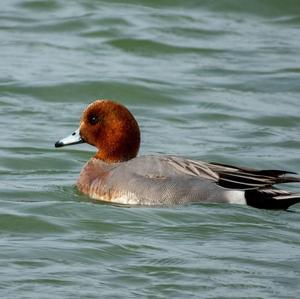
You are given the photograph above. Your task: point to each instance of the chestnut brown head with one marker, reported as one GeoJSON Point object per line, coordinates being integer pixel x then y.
{"type": "Point", "coordinates": [111, 128]}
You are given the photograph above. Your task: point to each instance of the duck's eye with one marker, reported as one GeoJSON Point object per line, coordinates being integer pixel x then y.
{"type": "Point", "coordinates": [93, 119]}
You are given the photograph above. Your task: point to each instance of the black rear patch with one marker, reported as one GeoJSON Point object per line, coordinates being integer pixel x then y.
{"type": "Point", "coordinates": [264, 200]}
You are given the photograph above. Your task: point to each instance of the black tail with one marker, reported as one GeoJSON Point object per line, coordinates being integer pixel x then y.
{"type": "Point", "coordinates": [271, 198]}
{"type": "Point", "coordinates": [258, 185]}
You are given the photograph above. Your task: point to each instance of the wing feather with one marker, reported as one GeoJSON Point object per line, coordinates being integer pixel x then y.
{"type": "Point", "coordinates": [232, 177]}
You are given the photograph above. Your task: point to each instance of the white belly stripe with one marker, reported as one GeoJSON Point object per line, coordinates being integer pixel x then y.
{"type": "Point", "coordinates": [236, 197]}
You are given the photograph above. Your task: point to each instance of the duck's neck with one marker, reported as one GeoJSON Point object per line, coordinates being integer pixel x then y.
{"type": "Point", "coordinates": [108, 158]}
{"type": "Point", "coordinates": [114, 157]}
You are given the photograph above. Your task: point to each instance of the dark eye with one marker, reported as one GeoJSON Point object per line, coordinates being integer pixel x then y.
{"type": "Point", "coordinates": [93, 119]}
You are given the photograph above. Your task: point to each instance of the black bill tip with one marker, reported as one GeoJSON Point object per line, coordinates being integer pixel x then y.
{"type": "Point", "coordinates": [74, 138]}
{"type": "Point", "coordinates": [58, 144]}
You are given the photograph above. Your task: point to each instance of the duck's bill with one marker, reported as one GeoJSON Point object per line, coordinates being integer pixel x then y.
{"type": "Point", "coordinates": [74, 138]}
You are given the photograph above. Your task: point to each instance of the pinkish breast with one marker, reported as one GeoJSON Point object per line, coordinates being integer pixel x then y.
{"type": "Point", "coordinates": [93, 175]}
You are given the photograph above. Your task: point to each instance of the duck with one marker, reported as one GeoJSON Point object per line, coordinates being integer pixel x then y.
{"type": "Point", "coordinates": [116, 173]}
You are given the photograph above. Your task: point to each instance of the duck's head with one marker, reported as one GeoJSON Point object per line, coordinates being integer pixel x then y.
{"type": "Point", "coordinates": [111, 128]}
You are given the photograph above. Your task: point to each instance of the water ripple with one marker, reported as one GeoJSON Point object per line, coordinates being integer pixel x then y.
{"type": "Point", "coordinates": [216, 80]}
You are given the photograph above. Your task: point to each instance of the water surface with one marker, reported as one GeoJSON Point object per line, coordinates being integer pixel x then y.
{"type": "Point", "coordinates": [211, 80]}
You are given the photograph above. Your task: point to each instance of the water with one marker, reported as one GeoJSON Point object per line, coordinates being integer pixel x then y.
{"type": "Point", "coordinates": [211, 80]}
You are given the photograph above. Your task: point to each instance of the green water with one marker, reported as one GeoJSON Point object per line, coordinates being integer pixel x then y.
{"type": "Point", "coordinates": [211, 80]}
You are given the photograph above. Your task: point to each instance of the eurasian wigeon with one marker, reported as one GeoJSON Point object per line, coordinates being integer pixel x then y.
{"type": "Point", "coordinates": [115, 174]}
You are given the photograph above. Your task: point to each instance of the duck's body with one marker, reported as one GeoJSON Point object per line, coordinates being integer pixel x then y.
{"type": "Point", "coordinates": [116, 175]}
{"type": "Point", "coordinates": [153, 180]}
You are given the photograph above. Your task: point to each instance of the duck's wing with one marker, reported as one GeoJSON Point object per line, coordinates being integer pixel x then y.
{"type": "Point", "coordinates": [232, 177]}
{"type": "Point", "coordinates": [192, 168]}
{"type": "Point", "coordinates": [248, 178]}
